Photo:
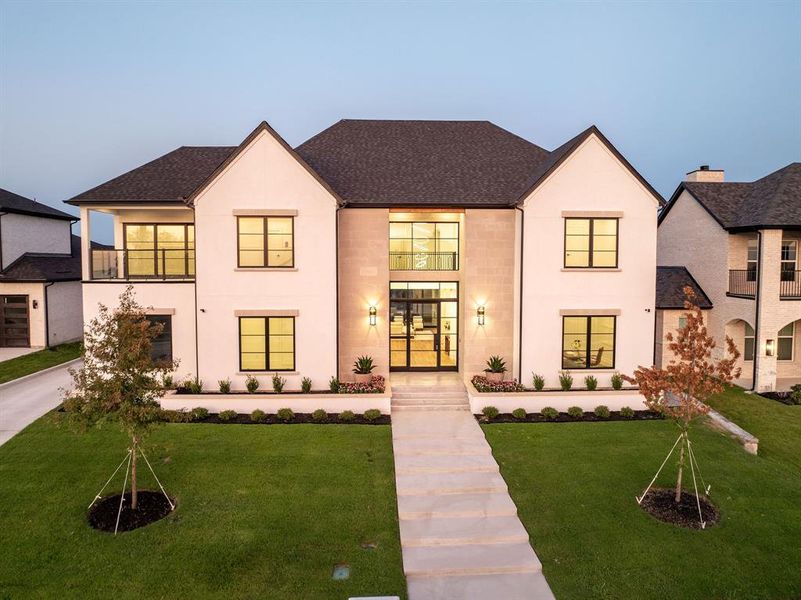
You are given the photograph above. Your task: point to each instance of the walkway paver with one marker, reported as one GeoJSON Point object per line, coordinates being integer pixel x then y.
{"type": "Point", "coordinates": [460, 533]}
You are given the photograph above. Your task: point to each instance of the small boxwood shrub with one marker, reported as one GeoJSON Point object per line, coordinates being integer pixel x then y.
{"type": "Point", "coordinates": [627, 412]}
{"type": "Point", "coordinates": [195, 386]}
{"type": "Point", "coordinates": [176, 416]}
{"type": "Point", "coordinates": [795, 394]}
{"type": "Point", "coordinates": [591, 383]}
{"type": "Point", "coordinates": [319, 416]}
{"type": "Point", "coordinates": [519, 414]}
{"type": "Point", "coordinates": [225, 386]}
{"type": "Point", "coordinates": [333, 385]}
{"type": "Point", "coordinates": [305, 385]}
{"type": "Point", "coordinates": [601, 411]}
{"type": "Point", "coordinates": [251, 384]}
{"type": "Point", "coordinates": [617, 381]}
{"type": "Point", "coordinates": [539, 381]}
{"type": "Point", "coordinates": [575, 412]}
{"type": "Point", "coordinates": [371, 415]}
{"type": "Point", "coordinates": [565, 380]}
{"type": "Point", "coordinates": [258, 416]}
{"type": "Point", "coordinates": [278, 383]}
{"type": "Point", "coordinates": [490, 412]}
{"type": "Point", "coordinates": [199, 413]}
{"type": "Point", "coordinates": [346, 416]}
{"type": "Point", "coordinates": [227, 416]}
{"type": "Point", "coordinates": [550, 413]}
{"type": "Point", "coordinates": [285, 414]}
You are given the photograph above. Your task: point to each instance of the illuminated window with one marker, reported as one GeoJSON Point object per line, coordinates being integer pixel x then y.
{"type": "Point", "coordinates": [267, 343]}
{"type": "Point", "coordinates": [591, 243]}
{"type": "Point", "coordinates": [266, 242]}
{"type": "Point", "coordinates": [588, 342]}
{"type": "Point", "coordinates": [421, 246]}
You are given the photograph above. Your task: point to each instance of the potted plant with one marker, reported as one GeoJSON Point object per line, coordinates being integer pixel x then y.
{"type": "Point", "coordinates": [363, 369]}
{"type": "Point", "coordinates": [496, 367]}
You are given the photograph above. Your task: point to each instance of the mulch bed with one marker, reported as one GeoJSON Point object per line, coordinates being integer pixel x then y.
{"type": "Point", "coordinates": [659, 503]}
{"type": "Point", "coordinates": [244, 419]}
{"type": "Point", "coordinates": [639, 415]}
{"type": "Point", "coordinates": [153, 506]}
{"type": "Point", "coordinates": [783, 397]}
{"type": "Point", "coordinates": [182, 391]}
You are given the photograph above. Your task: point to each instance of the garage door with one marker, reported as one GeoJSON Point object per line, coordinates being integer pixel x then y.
{"type": "Point", "coordinates": [14, 323]}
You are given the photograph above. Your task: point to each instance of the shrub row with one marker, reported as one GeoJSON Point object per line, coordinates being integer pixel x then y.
{"type": "Point", "coordinates": [194, 385]}
{"type": "Point", "coordinates": [259, 416]}
{"type": "Point", "coordinates": [550, 414]}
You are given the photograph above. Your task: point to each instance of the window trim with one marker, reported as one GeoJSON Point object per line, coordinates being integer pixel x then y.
{"type": "Point", "coordinates": [265, 250]}
{"type": "Point", "coordinates": [436, 240]}
{"type": "Point", "coordinates": [267, 368]}
{"type": "Point", "coordinates": [791, 337]}
{"type": "Point", "coordinates": [156, 224]}
{"type": "Point", "coordinates": [589, 366]}
{"type": "Point", "coordinates": [591, 236]}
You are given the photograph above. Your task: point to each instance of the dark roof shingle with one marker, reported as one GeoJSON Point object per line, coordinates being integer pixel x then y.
{"type": "Point", "coordinates": [670, 284]}
{"type": "Point", "coordinates": [14, 203]}
{"type": "Point", "coordinates": [34, 266]}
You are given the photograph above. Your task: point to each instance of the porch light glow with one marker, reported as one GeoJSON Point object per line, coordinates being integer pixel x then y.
{"type": "Point", "coordinates": [480, 314]}
{"type": "Point", "coordinates": [770, 347]}
{"type": "Point", "coordinates": [373, 313]}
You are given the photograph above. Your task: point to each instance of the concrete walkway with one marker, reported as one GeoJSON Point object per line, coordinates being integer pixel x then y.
{"type": "Point", "coordinates": [24, 400]}
{"type": "Point", "coordinates": [460, 534]}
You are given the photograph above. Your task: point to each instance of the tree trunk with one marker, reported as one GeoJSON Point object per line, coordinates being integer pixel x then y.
{"type": "Point", "coordinates": [681, 471]}
{"type": "Point", "coordinates": [134, 490]}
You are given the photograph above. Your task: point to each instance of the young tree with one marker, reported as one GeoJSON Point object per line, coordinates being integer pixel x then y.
{"type": "Point", "coordinates": [119, 382]}
{"type": "Point", "coordinates": [680, 390]}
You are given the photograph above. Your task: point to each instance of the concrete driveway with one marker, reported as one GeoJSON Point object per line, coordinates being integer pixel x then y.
{"type": "Point", "coordinates": [9, 353]}
{"type": "Point", "coordinates": [28, 398]}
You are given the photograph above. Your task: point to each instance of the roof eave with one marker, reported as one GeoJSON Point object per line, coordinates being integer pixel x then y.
{"type": "Point", "coordinates": [31, 213]}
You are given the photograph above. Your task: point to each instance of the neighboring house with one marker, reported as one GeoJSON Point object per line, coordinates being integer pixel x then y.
{"type": "Point", "coordinates": [40, 274]}
{"type": "Point", "coordinates": [429, 245]}
{"type": "Point", "coordinates": [741, 242]}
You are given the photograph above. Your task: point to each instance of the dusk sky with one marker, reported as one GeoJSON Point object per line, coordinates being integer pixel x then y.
{"type": "Point", "coordinates": [91, 90]}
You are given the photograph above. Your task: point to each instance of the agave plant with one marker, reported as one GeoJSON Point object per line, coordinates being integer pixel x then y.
{"type": "Point", "coordinates": [363, 365]}
{"type": "Point", "coordinates": [496, 364]}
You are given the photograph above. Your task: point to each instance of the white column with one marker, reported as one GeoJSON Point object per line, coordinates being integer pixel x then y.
{"type": "Point", "coordinates": [769, 316]}
{"type": "Point", "coordinates": [86, 244]}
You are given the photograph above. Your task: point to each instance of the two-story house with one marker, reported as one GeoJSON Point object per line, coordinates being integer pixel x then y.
{"type": "Point", "coordinates": [40, 275]}
{"type": "Point", "coordinates": [429, 245]}
{"type": "Point", "coordinates": [741, 241]}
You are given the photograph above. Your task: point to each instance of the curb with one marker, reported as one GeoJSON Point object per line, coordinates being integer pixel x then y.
{"type": "Point", "coordinates": [68, 363]}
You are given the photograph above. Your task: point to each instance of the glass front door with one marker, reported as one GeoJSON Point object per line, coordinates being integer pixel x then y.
{"type": "Point", "coordinates": [423, 326]}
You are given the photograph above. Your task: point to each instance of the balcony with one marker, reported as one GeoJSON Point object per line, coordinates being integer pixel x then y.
{"type": "Point", "coordinates": [743, 284]}
{"type": "Point", "coordinates": [790, 284]}
{"type": "Point", "coordinates": [135, 265]}
{"type": "Point", "coordinates": [423, 261]}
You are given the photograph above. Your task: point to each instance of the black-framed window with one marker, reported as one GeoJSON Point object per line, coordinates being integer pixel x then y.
{"type": "Point", "coordinates": [591, 243]}
{"type": "Point", "coordinates": [749, 342]}
{"type": "Point", "coordinates": [266, 242]}
{"type": "Point", "coordinates": [785, 342]}
{"type": "Point", "coordinates": [588, 342]}
{"type": "Point", "coordinates": [789, 257]}
{"type": "Point", "coordinates": [424, 245]}
{"type": "Point", "coordinates": [159, 249]}
{"type": "Point", "coordinates": [267, 343]}
{"type": "Point", "coordinates": [161, 345]}
{"type": "Point", "coordinates": [752, 260]}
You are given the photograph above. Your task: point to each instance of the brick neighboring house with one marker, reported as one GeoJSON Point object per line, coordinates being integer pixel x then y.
{"type": "Point", "coordinates": [429, 245]}
{"type": "Point", "coordinates": [741, 242]}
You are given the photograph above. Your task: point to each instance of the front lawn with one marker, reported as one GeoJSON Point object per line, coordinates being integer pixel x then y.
{"type": "Point", "coordinates": [263, 512]}
{"type": "Point", "coordinates": [36, 361]}
{"type": "Point", "coordinates": [574, 486]}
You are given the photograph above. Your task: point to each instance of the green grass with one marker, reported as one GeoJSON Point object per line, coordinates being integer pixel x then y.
{"type": "Point", "coordinates": [36, 361]}
{"type": "Point", "coordinates": [574, 486]}
{"type": "Point", "coordinates": [263, 512]}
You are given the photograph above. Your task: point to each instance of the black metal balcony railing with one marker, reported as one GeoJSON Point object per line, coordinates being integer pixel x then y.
{"type": "Point", "coordinates": [423, 261]}
{"type": "Point", "coordinates": [743, 282]}
{"type": "Point", "coordinates": [143, 264]}
{"type": "Point", "coordinates": [790, 284]}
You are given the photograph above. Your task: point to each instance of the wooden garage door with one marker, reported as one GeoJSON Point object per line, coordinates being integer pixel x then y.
{"type": "Point", "coordinates": [14, 323]}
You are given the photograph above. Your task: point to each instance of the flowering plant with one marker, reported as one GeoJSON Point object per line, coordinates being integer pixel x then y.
{"type": "Point", "coordinates": [482, 384]}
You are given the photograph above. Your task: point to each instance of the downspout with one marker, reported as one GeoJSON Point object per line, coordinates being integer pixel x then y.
{"type": "Point", "coordinates": [47, 314]}
{"type": "Point", "coordinates": [520, 320]}
{"type": "Point", "coordinates": [336, 257]}
{"type": "Point", "coordinates": [194, 287]}
{"type": "Point", "coordinates": [756, 312]}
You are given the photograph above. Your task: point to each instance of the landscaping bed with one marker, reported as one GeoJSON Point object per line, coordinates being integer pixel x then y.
{"type": "Point", "coordinates": [788, 398]}
{"type": "Point", "coordinates": [151, 507]}
{"type": "Point", "coordinates": [637, 415]}
{"type": "Point", "coordinates": [660, 504]}
{"type": "Point", "coordinates": [297, 419]}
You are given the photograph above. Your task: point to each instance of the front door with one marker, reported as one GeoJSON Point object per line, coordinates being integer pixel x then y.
{"type": "Point", "coordinates": [14, 322]}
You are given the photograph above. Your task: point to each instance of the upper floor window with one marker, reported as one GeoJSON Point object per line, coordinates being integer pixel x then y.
{"type": "Point", "coordinates": [267, 343]}
{"type": "Point", "coordinates": [789, 258]}
{"type": "Point", "coordinates": [159, 250]}
{"type": "Point", "coordinates": [424, 246]}
{"type": "Point", "coordinates": [752, 260]}
{"type": "Point", "coordinates": [591, 243]}
{"type": "Point", "coordinates": [266, 242]}
{"type": "Point", "coordinates": [588, 342]}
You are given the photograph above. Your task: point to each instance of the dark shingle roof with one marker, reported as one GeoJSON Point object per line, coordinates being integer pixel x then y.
{"type": "Point", "coordinates": [34, 266]}
{"type": "Point", "coordinates": [422, 162]}
{"type": "Point", "coordinates": [14, 203]}
{"type": "Point", "coordinates": [670, 284]}
{"type": "Point", "coordinates": [771, 202]}
{"type": "Point", "coordinates": [171, 177]}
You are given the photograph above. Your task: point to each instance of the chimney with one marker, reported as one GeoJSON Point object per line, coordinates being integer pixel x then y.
{"type": "Point", "coordinates": [705, 174]}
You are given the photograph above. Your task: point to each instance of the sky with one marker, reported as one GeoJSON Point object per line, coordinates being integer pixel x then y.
{"type": "Point", "coordinates": [91, 90]}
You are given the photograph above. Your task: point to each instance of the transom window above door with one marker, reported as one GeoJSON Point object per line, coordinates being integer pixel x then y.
{"type": "Point", "coordinates": [423, 246]}
{"type": "Point", "coordinates": [266, 242]}
{"type": "Point", "coordinates": [590, 243]}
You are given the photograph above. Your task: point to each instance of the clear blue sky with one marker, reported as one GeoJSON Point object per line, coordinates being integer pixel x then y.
{"type": "Point", "coordinates": [90, 90]}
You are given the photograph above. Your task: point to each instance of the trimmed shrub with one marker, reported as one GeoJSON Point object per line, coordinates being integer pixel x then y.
{"type": "Point", "coordinates": [251, 384]}
{"type": "Point", "coordinates": [490, 412]}
{"type": "Point", "coordinates": [305, 385]}
{"type": "Point", "coordinates": [591, 383]}
{"type": "Point", "coordinates": [346, 416]}
{"type": "Point", "coordinates": [195, 386]}
{"type": "Point", "coordinates": [227, 416]}
{"type": "Point", "coordinates": [258, 416]}
{"type": "Point", "coordinates": [285, 414]}
{"type": "Point", "coordinates": [168, 382]}
{"type": "Point", "coordinates": [198, 413]}
{"type": "Point", "coordinates": [319, 416]}
{"type": "Point", "coordinates": [519, 414]}
{"type": "Point", "coordinates": [333, 385]}
{"type": "Point", "coordinates": [795, 394]}
{"type": "Point", "coordinates": [565, 380]}
{"type": "Point", "coordinates": [627, 412]}
{"type": "Point", "coordinates": [617, 381]}
{"type": "Point", "coordinates": [575, 412]}
{"type": "Point", "coordinates": [550, 413]}
{"type": "Point", "coordinates": [371, 415]}
{"type": "Point", "coordinates": [278, 383]}
{"type": "Point", "coordinates": [225, 386]}
{"type": "Point", "coordinates": [601, 411]}
{"type": "Point", "coordinates": [482, 384]}
{"type": "Point", "coordinates": [176, 416]}
{"type": "Point", "coordinates": [539, 381]}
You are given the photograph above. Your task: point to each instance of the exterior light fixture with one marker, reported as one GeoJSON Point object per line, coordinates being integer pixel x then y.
{"type": "Point", "coordinates": [36, 304]}
{"type": "Point", "coordinates": [769, 347]}
{"type": "Point", "coordinates": [373, 313]}
{"type": "Point", "coordinates": [480, 314]}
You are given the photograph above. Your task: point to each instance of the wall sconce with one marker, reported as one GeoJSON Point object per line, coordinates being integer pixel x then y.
{"type": "Point", "coordinates": [480, 314]}
{"type": "Point", "coordinates": [769, 347]}
{"type": "Point", "coordinates": [373, 313]}
{"type": "Point", "coordinates": [36, 304]}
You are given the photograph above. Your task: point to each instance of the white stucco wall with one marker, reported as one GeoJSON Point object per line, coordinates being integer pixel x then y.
{"type": "Point", "coordinates": [266, 177]}
{"type": "Point", "coordinates": [23, 233]}
{"type": "Point", "coordinates": [591, 180]}
{"type": "Point", "coordinates": [65, 312]}
{"type": "Point", "coordinates": [36, 316]}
